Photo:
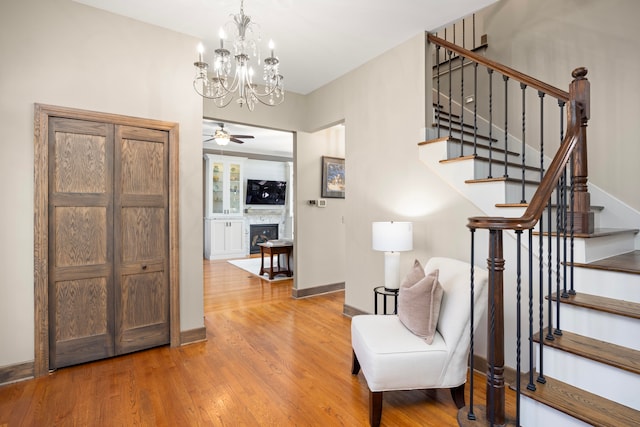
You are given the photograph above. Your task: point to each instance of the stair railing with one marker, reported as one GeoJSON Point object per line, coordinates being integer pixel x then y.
{"type": "Point", "coordinates": [444, 111]}
{"type": "Point", "coordinates": [566, 179]}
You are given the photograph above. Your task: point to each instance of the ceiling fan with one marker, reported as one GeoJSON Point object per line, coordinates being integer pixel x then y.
{"type": "Point", "coordinates": [222, 137]}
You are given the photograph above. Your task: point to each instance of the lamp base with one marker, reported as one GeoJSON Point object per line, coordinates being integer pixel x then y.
{"type": "Point", "coordinates": [392, 271]}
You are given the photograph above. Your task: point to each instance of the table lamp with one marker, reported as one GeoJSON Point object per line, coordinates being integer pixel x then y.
{"type": "Point", "coordinates": [392, 237]}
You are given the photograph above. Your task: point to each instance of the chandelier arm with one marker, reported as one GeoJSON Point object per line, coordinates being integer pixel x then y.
{"type": "Point", "coordinates": [281, 100]}
{"type": "Point", "coordinates": [257, 95]}
{"type": "Point", "coordinates": [265, 93]}
{"type": "Point", "coordinates": [234, 83]}
{"type": "Point", "coordinates": [204, 95]}
{"type": "Point", "coordinates": [218, 100]}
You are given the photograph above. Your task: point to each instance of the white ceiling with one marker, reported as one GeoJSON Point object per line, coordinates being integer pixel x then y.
{"type": "Point", "coordinates": [265, 142]}
{"type": "Point", "coordinates": [316, 40]}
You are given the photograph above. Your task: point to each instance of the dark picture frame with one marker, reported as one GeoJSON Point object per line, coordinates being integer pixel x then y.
{"type": "Point", "coordinates": [333, 177]}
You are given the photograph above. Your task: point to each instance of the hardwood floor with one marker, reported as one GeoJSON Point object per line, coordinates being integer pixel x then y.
{"type": "Point", "coordinates": [269, 360]}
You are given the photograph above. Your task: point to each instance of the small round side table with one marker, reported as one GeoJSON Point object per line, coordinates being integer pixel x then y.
{"type": "Point", "coordinates": [385, 293]}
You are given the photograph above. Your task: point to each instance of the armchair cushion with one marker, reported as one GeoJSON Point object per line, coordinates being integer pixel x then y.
{"type": "Point", "coordinates": [419, 305]}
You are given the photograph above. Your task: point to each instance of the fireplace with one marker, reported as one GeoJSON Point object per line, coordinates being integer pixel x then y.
{"type": "Point", "coordinates": [260, 233]}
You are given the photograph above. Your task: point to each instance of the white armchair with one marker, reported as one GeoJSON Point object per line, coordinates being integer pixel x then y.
{"type": "Point", "coordinates": [393, 358]}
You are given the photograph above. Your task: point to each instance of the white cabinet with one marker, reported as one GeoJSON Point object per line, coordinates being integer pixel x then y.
{"type": "Point", "coordinates": [224, 196]}
{"type": "Point", "coordinates": [224, 186]}
{"type": "Point", "coordinates": [224, 238]}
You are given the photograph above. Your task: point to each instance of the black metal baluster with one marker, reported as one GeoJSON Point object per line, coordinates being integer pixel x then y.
{"type": "Point", "coordinates": [518, 320]}
{"type": "Point", "coordinates": [474, 30]}
{"type": "Point", "coordinates": [506, 122]}
{"type": "Point", "coordinates": [549, 335]}
{"type": "Point", "coordinates": [541, 378]}
{"type": "Point", "coordinates": [461, 105]}
{"type": "Point", "coordinates": [531, 386]}
{"type": "Point", "coordinates": [451, 88]}
{"type": "Point", "coordinates": [464, 27]}
{"type": "Point", "coordinates": [450, 95]}
{"type": "Point", "coordinates": [565, 181]}
{"type": "Point", "coordinates": [571, 221]}
{"type": "Point", "coordinates": [471, 415]}
{"type": "Point", "coordinates": [565, 208]}
{"type": "Point", "coordinates": [475, 107]}
{"type": "Point", "coordinates": [523, 87]}
{"type": "Point", "coordinates": [490, 71]}
{"type": "Point", "coordinates": [438, 89]}
{"type": "Point", "coordinates": [490, 399]}
{"type": "Point", "coordinates": [541, 96]}
{"type": "Point", "coordinates": [557, 330]}
{"type": "Point", "coordinates": [462, 96]}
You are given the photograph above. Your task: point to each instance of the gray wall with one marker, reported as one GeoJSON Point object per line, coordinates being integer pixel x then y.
{"type": "Point", "coordinates": [382, 104]}
{"type": "Point", "coordinates": [63, 53]}
{"type": "Point", "coordinates": [547, 39]}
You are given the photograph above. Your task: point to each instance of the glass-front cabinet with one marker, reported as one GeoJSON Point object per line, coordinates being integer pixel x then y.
{"type": "Point", "coordinates": [224, 186]}
{"type": "Point", "coordinates": [223, 207]}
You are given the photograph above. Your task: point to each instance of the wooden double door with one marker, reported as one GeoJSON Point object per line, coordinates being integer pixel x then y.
{"type": "Point", "coordinates": [108, 240]}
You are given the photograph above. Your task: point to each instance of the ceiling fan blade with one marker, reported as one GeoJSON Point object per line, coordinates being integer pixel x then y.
{"type": "Point", "coordinates": [210, 139]}
{"type": "Point", "coordinates": [242, 136]}
{"type": "Point", "coordinates": [236, 140]}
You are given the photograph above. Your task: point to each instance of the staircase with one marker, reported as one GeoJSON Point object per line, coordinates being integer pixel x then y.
{"type": "Point", "coordinates": [591, 367]}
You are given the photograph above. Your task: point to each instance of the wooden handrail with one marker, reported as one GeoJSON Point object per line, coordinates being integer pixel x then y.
{"type": "Point", "coordinates": [541, 197]}
{"type": "Point", "coordinates": [502, 69]}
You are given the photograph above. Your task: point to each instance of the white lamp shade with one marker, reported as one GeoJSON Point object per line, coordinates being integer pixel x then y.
{"type": "Point", "coordinates": [392, 236]}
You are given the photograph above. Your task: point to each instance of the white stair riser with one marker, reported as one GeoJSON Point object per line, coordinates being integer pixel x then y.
{"type": "Point", "coordinates": [602, 326]}
{"type": "Point", "coordinates": [453, 151]}
{"type": "Point", "coordinates": [484, 195]}
{"type": "Point", "coordinates": [588, 250]}
{"type": "Point", "coordinates": [513, 192]}
{"type": "Point", "coordinates": [497, 170]}
{"type": "Point", "coordinates": [604, 380]}
{"type": "Point", "coordinates": [610, 284]}
{"type": "Point", "coordinates": [536, 414]}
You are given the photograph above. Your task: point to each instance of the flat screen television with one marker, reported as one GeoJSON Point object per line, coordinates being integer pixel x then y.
{"type": "Point", "coordinates": [263, 192]}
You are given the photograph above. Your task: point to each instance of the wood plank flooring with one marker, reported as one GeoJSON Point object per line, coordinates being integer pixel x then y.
{"type": "Point", "coordinates": [269, 360]}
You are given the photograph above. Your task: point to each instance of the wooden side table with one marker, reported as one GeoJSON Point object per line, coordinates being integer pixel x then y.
{"type": "Point", "coordinates": [385, 293]}
{"type": "Point", "coordinates": [275, 249]}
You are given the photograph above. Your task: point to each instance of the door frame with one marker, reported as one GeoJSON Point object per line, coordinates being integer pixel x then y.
{"type": "Point", "coordinates": [42, 113]}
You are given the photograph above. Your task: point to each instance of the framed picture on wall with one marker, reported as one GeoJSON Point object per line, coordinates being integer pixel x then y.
{"type": "Point", "coordinates": [333, 183]}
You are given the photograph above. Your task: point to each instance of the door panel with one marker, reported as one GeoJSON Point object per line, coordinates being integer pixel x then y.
{"type": "Point", "coordinates": [80, 247]}
{"type": "Point", "coordinates": [141, 239]}
{"type": "Point", "coordinates": [81, 236]}
{"type": "Point", "coordinates": [143, 233]}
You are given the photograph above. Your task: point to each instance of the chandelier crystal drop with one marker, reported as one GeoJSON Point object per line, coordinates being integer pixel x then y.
{"type": "Point", "coordinates": [232, 75]}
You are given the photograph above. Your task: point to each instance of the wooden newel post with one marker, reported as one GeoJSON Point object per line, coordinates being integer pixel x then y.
{"type": "Point", "coordinates": [495, 331]}
{"type": "Point", "coordinates": [578, 111]}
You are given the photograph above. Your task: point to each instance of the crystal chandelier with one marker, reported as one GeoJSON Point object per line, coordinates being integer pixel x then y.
{"type": "Point", "coordinates": [232, 75]}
